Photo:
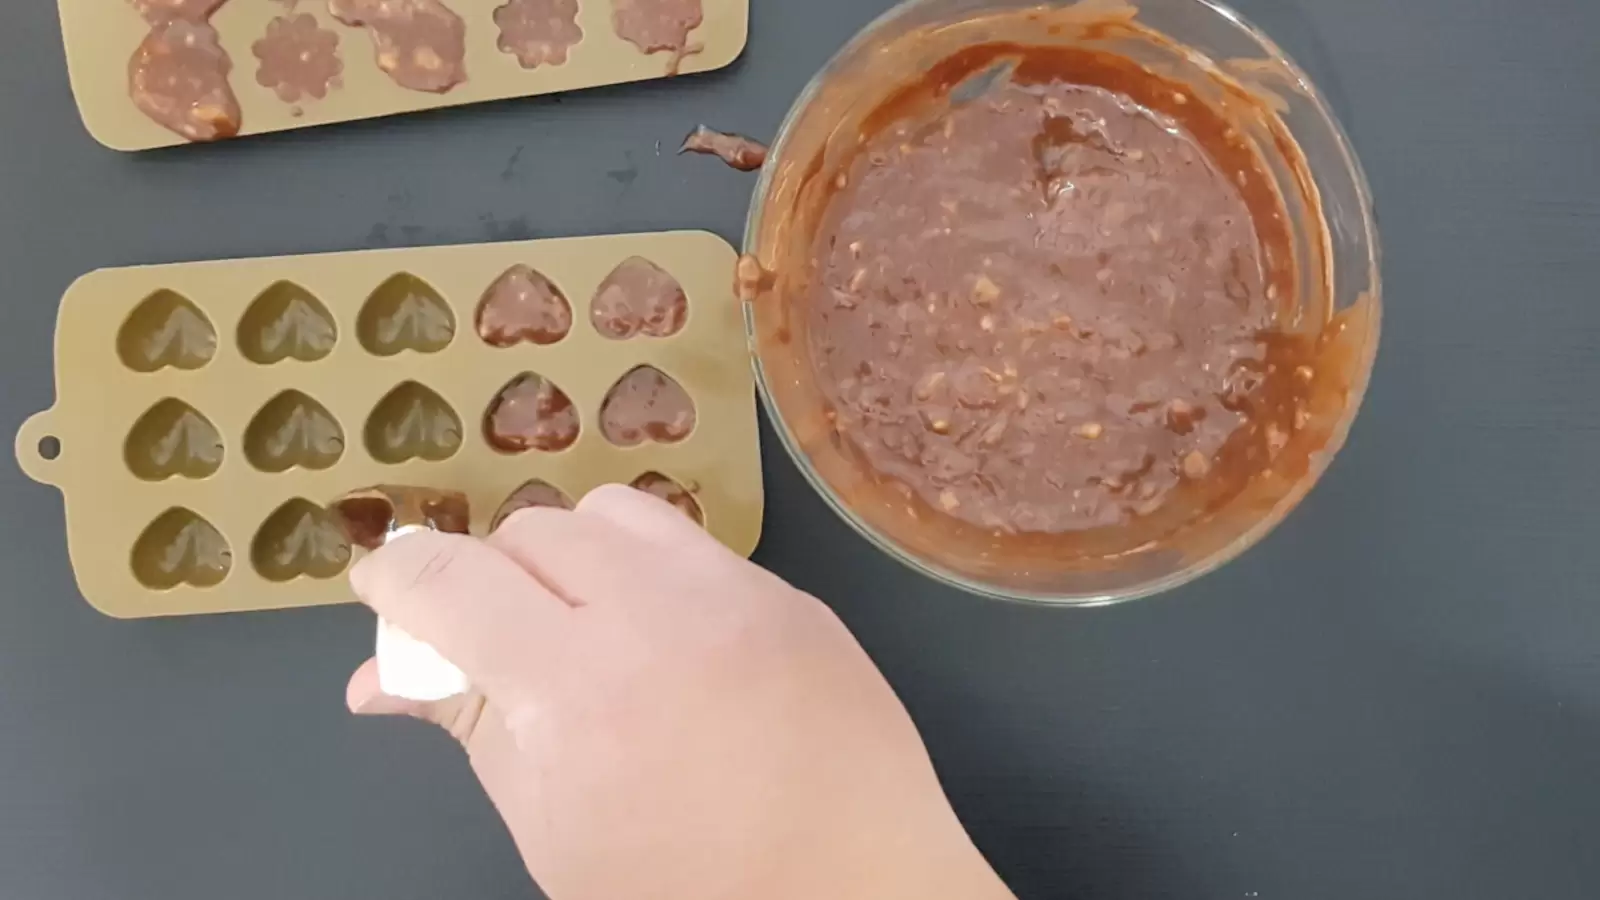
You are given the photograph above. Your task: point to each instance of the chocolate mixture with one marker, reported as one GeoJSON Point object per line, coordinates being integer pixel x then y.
{"type": "Point", "coordinates": [420, 44]}
{"type": "Point", "coordinates": [1050, 308]}
{"type": "Point", "coordinates": [538, 32]}
{"type": "Point", "coordinates": [298, 58]}
{"type": "Point", "coordinates": [179, 74]}
{"type": "Point", "coordinates": [639, 297]}
{"type": "Point", "coordinates": [655, 26]}
{"type": "Point", "coordinates": [658, 485]}
{"type": "Point", "coordinates": [531, 413]}
{"type": "Point", "coordinates": [370, 515]}
{"type": "Point", "coordinates": [646, 405]}
{"type": "Point", "coordinates": [523, 305]}
{"type": "Point", "coordinates": [533, 494]}
{"type": "Point", "coordinates": [738, 151]}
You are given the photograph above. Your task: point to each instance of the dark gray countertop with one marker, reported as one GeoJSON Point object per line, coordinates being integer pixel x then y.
{"type": "Point", "coordinates": [1396, 695]}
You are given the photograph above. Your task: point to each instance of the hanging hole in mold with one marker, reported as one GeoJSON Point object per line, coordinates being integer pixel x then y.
{"type": "Point", "coordinates": [531, 413]}
{"type": "Point", "coordinates": [536, 493]}
{"type": "Point", "coordinates": [293, 430]}
{"type": "Point", "coordinates": [300, 539]}
{"type": "Point", "coordinates": [49, 448]}
{"type": "Point", "coordinates": [287, 322]}
{"type": "Point", "coordinates": [166, 329]}
{"type": "Point", "coordinates": [522, 305]}
{"type": "Point", "coordinates": [405, 313]}
{"type": "Point", "coordinates": [413, 422]}
{"type": "Point", "coordinates": [646, 405]}
{"type": "Point", "coordinates": [639, 298]}
{"type": "Point", "coordinates": [659, 485]}
{"type": "Point", "coordinates": [173, 440]}
{"type": "Point", "coordinates": [178, 548]}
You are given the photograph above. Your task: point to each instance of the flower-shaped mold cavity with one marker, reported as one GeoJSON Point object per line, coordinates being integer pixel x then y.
{"type": "Point", "coordinates": [286, 322]}
{"type": "Point", "coordinates": [646, 405]}
{"type": "Point", "coordinates": [538, 32]}
{"type": "Point", "coordinates": [172, 439]}
{"type": "Point", "coordinates": [679, 496]}
{"type": "Point", "coordinates": [531, 413]}
{"type": "Point", "coordinates": [534, 493]}
{"type": "Point", "coordinates": [300, 539]}
{"type": "Point", "coordinates": [405, 313]}
{"type": "Point", "coordinates": [523, 305]}
{"type": "Point", "coordinates": [165, 329]}
{"type": "Point", "coordinates": [639, 298]}
{"type": "Point", "coordinates": [180, 547]}
{"type": "Point", "coordinates": [293, 430]}
{"type": "Point", "coordinates": [413, 422]}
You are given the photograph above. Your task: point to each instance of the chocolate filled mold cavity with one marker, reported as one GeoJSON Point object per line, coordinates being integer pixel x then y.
{"type": "Point", "coordinates": [286, 322]}
{"type": "Point", "coordinates": [300, 540]}
{"type": "Point", "coordinates": [523, 305]}
{"type": "Point", "coordinates": [164, 330]}
{"type": "Point", "coordinates": [413, 422]}
{"type": "Point", "coordinates": [538, 32]}
{"type": "Point", "coordinates": [659, 485]}
{"type": "Point", "coordinates": [297, 58]}
{"type": "Point", "coordinates": [647, 405]}
{"type": "Point", "coordinates": [405, 313]}
{"type": "Point", "coordinates": [536, 493]}
{"type": "Point", "coordinates": [178, 77]}
{"type": "Point", "coordinates": [173, 440]}
{"type": "Point", "coordinates": [531, 413]}
{"type": "Point", "coordinates": [291, 431]}
{"type": "Point", "coordinates": [639, 298]}
{"type": "Point", "coordinates": [419, 44]}
{"type": "Point", "coordinates": [181, 548]}
{"type": "Point", "coordinates": [657, 26]}
{"type": "Point", "coordinates": [371, 515]}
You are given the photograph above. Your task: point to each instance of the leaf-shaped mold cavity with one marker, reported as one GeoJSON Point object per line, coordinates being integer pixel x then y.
{"type": "Point", "coordinates": [286, 322]}
{"type": "Point", "coordinates": [646, 405]}
{"type": "Point", "coordinates": [522, 305]}
{"type": "Point", "coordinates": [172, 439]}
{"type": "Point", "coordinates": [531, 413]}
{"type": "Point", "coordinates": [300, 539]}
{"type": "Point", "coordinates": [405, 313]}
{"type": "Point", "coordinates": [659, 485]}
{"type": "Point", "coordinates": [412, 422]}
{"type": "Point", "coordinates": [639, 298]}
{"type": "Point", "coordinates": [534, 493]}
{"type": "Point", "coordinates": [293, 430]}
{"type": "Point", "coordinates": [180, 547]}
{"type": "Point", "coordinates": [165, 329]}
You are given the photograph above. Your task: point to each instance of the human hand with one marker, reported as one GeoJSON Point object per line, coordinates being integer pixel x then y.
{"type": "Point", "coordinates": [655, 717]}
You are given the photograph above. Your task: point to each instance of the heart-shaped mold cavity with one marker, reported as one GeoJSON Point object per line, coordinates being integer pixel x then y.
{"type": "Point", "coordinates": [646, 405]}
{"type": "Point", "coordinates": [531, 413]}
{"type": "Point", "coordinates": [534, 493]}
{"type": "Point", "coordinates": [172, 439]}
{"type": "Point", "coordinates": [180, 547]}
{"type": "Point", "coordinates": [679, 496]}
{"type": "Point", "coordinates": [165, 329]}
{"type": "Point", "coordinates": [412, 422]}
{"type": "Point", "coordinates": [286, 322]}
{"type": "Point", "coordinates": [293, 430]}
{"type": "Point", "coordinates": [523, 305]}
{"type": "Point", "coordinates": [405, 313]}
{"type": "Point", "coordinates": [300, 539]}
{"type": "Point", "coordinates": [639, 298]}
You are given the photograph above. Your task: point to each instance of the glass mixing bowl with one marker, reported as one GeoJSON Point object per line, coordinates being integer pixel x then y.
{"type": "Point", "coordinates": [1222, 58]}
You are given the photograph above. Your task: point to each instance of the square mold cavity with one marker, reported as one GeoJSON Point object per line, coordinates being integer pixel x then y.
{"type": "Point", "coordinates": [207, 413]}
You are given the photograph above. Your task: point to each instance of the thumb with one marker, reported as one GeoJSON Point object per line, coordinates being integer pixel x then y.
{"type": "Point", "coordinates": [459, 715]}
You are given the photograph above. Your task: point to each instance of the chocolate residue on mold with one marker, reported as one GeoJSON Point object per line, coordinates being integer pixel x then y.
{"type": "Point", "coordinates": [157, 11]}
{"type": "Point", "coordinates": [538, 32]}
{"type": "Point", "coordinates": [370, 515]}
{"type": "Point", "coordinates": [656, 26]}
{"type": "Point", "coordinates": [523, 305]}
{"type": "Point", "coordinates": [639, 298]}
{"type": "Point", "coordinates": [659, 485]}
{"type": "Point", "coordinates": [536, 493]}
{"type": "Point", "coordinates": [298, 58]}
{"type": "Point", "coordinates": [531, 413]}
{"type": "Point", "coordinates": [420, 44]}
{"type": "Point", "coordinates": [738, 151]}
{"type": "Point", "coordinates": [646, 405]}
{"type": "Point", "coordinates": [179, 78]}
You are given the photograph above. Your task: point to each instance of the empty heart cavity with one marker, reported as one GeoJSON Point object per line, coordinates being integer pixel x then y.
{"type": "Point", "coordinates": [522, 305]}
{"type": "Point", "coordinates": [166, 329]}
{"type": "Point", "coordinates": [180, 547]}
{"type": "Point", "coordinates": [300, 539]}
{"type": "Point", "coordinates": [646, 405]}
{"type": "Point", "coordinates": [405, 313]}
{"type": "Point", "coordinates": [413, 422]}
{"type": "Point", "coordinates": [531, 413]}
{"type": "Point", "coordinates": [639, 298]}
{"type": "Point", "coordinates": [173, 440]}
{"type": "Point", "coordinates": [286, 322]}
{"type": "Point", "coordinates": [293, 430]}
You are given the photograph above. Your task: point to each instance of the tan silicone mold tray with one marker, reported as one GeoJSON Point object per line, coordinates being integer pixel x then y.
{"type": "Point", "coordinates": [102, 36]}
{"type": "Point", "coordinates": [207, 413]}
